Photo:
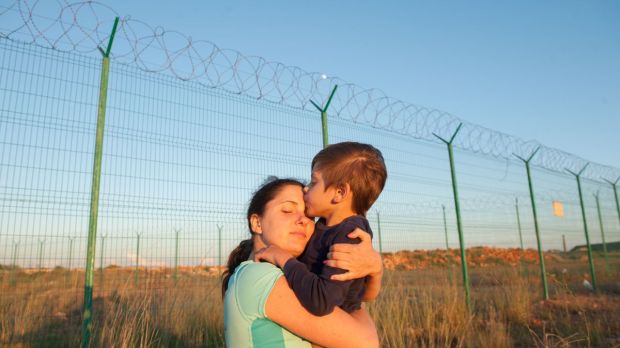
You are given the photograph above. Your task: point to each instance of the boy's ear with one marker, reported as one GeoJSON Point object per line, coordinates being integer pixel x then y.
{"type": "Point", "coordinates": [255, 223]}
{"type": "Point", "coordinates": [342, 192]}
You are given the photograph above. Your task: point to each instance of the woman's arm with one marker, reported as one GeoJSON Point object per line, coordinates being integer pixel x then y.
{"type": "Point", "coordinates": [359, 260]}
{"type": "Point", "coordinates": [337, 329]}
{"type": "Point", "coordinates": [362, 316]}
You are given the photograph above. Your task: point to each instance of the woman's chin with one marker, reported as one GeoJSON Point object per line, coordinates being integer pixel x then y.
{"type": "Point", "coordinates": [297, 249]}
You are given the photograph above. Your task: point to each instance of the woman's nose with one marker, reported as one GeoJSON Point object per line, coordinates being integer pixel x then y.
{"type": "Point", "coordinates": [303, 220]}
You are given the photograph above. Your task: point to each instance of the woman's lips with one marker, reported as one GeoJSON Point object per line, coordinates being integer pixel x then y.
{"type": "Point", "coordinates": [299, 234]}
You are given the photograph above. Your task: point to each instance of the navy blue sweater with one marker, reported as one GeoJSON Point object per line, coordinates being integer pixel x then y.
{"type": "Point", "coordinates": [309, 277]}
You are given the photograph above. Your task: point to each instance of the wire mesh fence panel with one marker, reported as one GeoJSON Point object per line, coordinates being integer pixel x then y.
{"type": "Point", "coordinates": [46, 164]}
{"type": "Point", "coordinates": [190, 135]}
{"type": "Point", "coordinates": [180, 156]}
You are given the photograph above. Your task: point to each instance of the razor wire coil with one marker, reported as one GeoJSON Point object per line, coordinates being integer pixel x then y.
{"type": "Point", "coordinates": [83, 26]}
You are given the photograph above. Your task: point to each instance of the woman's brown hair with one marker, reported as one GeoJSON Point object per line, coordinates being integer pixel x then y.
{"type": "Point", "coordinates": [267, 192]}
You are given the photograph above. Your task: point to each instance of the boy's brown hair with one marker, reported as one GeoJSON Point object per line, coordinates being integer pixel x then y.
{"type": "Point", "coordinates": [359, 165]}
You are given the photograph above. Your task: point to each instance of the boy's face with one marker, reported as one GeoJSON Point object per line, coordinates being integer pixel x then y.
{"type": "Point", "coordinates": [318, 199]}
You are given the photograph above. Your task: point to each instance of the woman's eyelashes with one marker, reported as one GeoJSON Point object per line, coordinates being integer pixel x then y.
{"type": "Point", "coordinates": [289, 208]}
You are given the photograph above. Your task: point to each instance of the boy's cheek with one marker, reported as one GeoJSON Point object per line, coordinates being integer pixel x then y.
{"type": "Point", "coordinates": [310, 213]}
{"type": "Point", "coordinates": [308, 196]}
{"type": "Point", "coordinates": [307, 200]}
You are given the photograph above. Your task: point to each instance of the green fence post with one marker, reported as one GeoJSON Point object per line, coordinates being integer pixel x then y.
{"type": "Point", "coordinates": [323, 111]}
{"type": "Point", "coordinates": [541, 257]}
{"type": "Point", "coordinates": [94, 199]}
{"type": "Point", "coordinates": [176, 256]}
{"type": "Point", "coordinates": [613, 186]}
{"type": "Point", "coordinates": [379, 233]}
{"type": "Point", "coordinates": [101, 279]}
{"type": "Point", "coordinates": [585, 224]}
{"type": "Point", "coordinates": [519, 224]}
{"type": "Point", "coordinates": [564, 243]}
{"type": "Point", "coordinates": [101, 253]}
{"type": "Point", "coordinates": [71, 239]}
{"type": "Point", "coordinates": [219, 245]}
{"type": "Point", "coordinates": [68, 277]}
{"type": "Point", "coordinates": [523, 267]}
{"type": "Point", "coordinates": [445, 226]}
{"type": "Point", "coordinates": [13, 280]}
{"type": "Point", "coordinates": [600, 223]}
{"type": "Point", "coordinates": [458, 214]}
{"type": "Point", "coordinates": [135, 273]}
{"type": "Point", "coordinates": [41, 242]}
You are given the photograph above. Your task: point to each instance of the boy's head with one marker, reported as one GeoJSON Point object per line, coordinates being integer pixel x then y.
{"type": "Point", "coordinates": [360, 167]}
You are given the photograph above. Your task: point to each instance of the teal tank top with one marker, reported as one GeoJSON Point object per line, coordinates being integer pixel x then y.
{"type": "Point", "coordinates": [245, 322]}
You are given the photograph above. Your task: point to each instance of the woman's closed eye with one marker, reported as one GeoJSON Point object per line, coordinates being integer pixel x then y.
{"type": "Point", "coordinates": [289, 207]}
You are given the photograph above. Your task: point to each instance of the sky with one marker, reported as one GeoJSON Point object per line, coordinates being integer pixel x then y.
{"type": "Point", "coordinates": [546, 71]}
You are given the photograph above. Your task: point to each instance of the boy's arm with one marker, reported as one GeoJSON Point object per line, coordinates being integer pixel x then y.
{"type": "Point", "coordinates": [274, 255]}
{"type": "Point", "coordinates": [317, 293]}
{"type": "Point", "coordinates": [359, 260]}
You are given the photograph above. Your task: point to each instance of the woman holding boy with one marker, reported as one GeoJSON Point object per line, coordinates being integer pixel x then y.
{"type": "Point", "coordinates": [260, 309]}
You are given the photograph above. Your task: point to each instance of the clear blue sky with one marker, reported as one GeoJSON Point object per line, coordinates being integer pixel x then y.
{"type": "Point", "coordinates": [548, 71]}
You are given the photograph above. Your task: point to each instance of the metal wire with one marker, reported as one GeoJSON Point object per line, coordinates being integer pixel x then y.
{"type": "Point", "coordinates": [181, 159]}
{"type": "Point", "coordinates": [83, 26]}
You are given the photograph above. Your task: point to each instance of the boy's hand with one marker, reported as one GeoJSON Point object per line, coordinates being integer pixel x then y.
{"type": "Point", "coordinates": [273, 255]}
{"type": "Point", "coordinates": [359, 260]}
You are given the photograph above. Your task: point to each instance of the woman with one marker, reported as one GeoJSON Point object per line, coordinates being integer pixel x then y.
{"type": "Point", "coordinates": [260, 310]}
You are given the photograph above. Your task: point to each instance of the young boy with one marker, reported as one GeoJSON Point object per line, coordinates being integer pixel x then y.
{"type": "Point", "coordinates": [347, 179]}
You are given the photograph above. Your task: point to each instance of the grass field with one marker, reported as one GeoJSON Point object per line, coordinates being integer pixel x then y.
{"type": "Point", "coordinates": [423, 306]}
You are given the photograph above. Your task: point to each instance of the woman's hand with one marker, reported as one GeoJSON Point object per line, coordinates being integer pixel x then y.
{"type": "Point", "coordinates": [359, 260]}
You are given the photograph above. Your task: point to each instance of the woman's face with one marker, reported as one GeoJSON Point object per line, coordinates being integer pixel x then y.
{"type": "Point", "coordinates": [284, 223]}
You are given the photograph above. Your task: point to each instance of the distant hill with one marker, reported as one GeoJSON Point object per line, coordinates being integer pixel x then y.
{"type": "Point", "coordinates": [611, 246]}
{"type": "Point", "coordinates": [483, 257]}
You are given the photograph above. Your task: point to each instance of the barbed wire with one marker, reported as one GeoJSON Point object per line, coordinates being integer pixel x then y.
{"type": "Point", "coordinates": [83, 26]}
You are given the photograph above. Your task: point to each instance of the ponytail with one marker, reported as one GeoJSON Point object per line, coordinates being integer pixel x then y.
{"type": "Point", "coordinates": [241, 253]}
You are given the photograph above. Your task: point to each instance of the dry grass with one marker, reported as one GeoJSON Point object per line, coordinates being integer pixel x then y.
{"type": "Point", "coordinates": [423, 307]}
{"type": "Point", "coordinates": [42, 309]}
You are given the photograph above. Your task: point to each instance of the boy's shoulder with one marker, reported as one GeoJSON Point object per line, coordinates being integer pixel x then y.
{"type": "Point", "coordinates": [338, 233]}
{"type": "Point", "coordinates": [355, 220]}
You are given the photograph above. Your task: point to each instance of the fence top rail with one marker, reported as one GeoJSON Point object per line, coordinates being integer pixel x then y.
{"type": "Point", "coordinates": [83, 26]}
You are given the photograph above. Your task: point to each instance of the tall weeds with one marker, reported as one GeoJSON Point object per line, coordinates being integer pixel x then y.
{"type": "Point", "coordinates": [420, 308]}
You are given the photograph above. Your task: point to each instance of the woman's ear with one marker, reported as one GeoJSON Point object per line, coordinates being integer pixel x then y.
{"type": "Point", "coordinates": [255, 223]}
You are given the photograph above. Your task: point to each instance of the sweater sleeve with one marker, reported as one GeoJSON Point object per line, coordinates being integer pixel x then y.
{"type": "Point", "coordinates": [317, 292]}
